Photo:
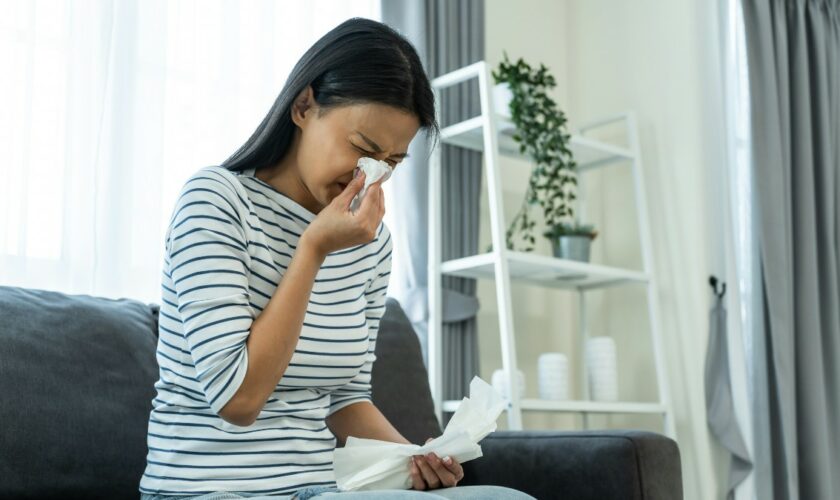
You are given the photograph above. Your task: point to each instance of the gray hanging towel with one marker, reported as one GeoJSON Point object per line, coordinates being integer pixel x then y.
{"type": "Point", "coordinates": [720, 410]}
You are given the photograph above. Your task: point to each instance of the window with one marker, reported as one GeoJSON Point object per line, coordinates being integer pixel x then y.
{"type": "Point", "coordinates": [107, 107]}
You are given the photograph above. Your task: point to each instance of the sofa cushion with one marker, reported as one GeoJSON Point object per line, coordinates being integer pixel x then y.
{"type": "Point", "coordinates": [399, 378]}
{"type": "Point", "coordinates": [77, 376]}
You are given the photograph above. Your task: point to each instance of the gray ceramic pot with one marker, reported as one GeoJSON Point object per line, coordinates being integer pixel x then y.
{"type": "Point", "coordinates": [571, 247]}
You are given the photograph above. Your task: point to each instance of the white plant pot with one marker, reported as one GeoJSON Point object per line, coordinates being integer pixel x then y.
{"type": "Point", "coordinates": [502, 95]}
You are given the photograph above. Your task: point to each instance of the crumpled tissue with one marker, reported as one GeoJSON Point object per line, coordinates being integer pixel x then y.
{"type": "Point", "coordinates": [371, 464]}
{"type": "Point", "coordinates": [374, 169]}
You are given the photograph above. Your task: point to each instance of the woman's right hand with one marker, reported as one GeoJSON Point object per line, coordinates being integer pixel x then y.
{"type": "Point", "coordinates": [336, 227]}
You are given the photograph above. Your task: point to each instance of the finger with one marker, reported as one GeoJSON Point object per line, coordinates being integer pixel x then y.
{"type": "Point", "coordinates": [446, 477]}
{"type": "Point", "coordinates": [417, 481]}
{"type": "Point", "coordinates": [454, 467]}
{"type": "Point", "coordinates": [432, 479]}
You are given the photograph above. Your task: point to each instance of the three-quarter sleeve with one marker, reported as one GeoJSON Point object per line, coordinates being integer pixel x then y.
{"type": "Point", "coordinates": [359, 388]}
{"type": "Point", "coordinates": [206, 248]}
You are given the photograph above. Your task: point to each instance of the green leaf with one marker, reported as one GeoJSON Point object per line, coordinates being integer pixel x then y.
{"type": "Point", "coordinates": [541, 134]}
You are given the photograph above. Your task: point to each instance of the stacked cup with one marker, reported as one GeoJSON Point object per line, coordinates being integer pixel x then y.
{"type": "Point", "coordinates": [602, 369]}
{"type": "Point", "coordinates": [499, 382]}
{"type": "Point", "coordinates": [553, 373]}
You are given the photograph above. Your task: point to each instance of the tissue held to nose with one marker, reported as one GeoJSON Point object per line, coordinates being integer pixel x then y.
{"type": "Point", "coordinates": [374, 170]}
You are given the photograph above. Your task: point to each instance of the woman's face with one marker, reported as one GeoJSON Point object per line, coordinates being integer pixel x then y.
{"type": "Point", "coordinates": [328, 146]}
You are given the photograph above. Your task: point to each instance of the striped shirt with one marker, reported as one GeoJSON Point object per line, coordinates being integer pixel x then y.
{"type": "Point", "coordinates": [230, 239]}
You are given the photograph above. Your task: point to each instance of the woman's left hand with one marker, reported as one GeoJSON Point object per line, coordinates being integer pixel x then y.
{"type": "Point", "coordinates": [431, 472]}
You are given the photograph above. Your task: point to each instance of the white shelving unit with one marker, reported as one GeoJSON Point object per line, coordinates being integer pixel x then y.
{"type": "Point", "coordinates": [491, 133]}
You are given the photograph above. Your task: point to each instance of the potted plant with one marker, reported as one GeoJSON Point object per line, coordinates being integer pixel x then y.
{"type": "Point", "coordinates": [541, 134]}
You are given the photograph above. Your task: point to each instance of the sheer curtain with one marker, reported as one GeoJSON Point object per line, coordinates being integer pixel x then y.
{"type": "Point", "coordinates": [106, 107]}
{"type": "Point", "coordinates": [739, 248]}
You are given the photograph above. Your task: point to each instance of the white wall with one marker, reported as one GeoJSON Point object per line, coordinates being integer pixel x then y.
{"type": "Point", "coordinates": [608, 57]}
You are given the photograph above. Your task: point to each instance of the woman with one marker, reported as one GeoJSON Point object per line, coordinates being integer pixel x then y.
{"type": "Point", "coordinates": [273, 289]}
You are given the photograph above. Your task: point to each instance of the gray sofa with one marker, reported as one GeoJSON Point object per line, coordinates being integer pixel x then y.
{"type": "Point", "coordinates": [77, 375]}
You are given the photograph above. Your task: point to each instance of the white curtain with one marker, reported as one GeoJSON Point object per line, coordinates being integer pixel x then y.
{"type": "Point", "coordinates": [106, 107]}
{"type": "Point", "coordinates": [736, 256]}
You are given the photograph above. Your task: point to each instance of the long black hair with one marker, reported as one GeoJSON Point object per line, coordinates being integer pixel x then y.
{"type": "Point", "coordinates": [360, 61]}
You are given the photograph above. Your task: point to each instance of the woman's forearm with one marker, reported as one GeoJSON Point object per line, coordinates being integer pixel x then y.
{"type": "Point", "coordinates": [363, 420]}
{"type": "Point", "coordinates": [274, 335]}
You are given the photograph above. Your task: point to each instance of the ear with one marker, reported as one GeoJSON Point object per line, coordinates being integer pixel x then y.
{"type": "Point", "coordinates": [303, 106]}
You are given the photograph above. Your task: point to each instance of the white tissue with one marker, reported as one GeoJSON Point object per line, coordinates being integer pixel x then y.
{"type": "Point", "coordinates": [374, 169]}
{"type": "Point", "coordinates": [371, 464]}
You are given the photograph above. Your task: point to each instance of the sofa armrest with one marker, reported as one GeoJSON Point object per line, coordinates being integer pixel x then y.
{"type": "Point", "coordinates": [604, 464]}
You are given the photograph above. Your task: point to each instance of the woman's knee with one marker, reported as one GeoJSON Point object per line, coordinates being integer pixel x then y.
{"type": "Point", "coordinates": [489, 492]}
{"type": "Point", "coordinates": [384, 495]}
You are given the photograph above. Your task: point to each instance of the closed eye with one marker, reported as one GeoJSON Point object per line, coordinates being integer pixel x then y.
{"type": "Point", "coordinates": [368, 153]}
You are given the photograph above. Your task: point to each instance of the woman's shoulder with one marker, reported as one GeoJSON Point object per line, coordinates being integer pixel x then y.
{"type": "Point", "coordinates": [211, 191]}
{"type": "Point", "coordinates": [217, 176]}
{"type": "Point", "coordinates": [217, 181]}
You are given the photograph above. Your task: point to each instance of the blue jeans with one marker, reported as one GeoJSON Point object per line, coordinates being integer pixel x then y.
{"type": "Point", "coordinates": [325, 492]}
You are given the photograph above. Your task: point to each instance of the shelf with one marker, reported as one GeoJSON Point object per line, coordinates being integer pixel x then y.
{"type": "Point", "coordinates": [577, 406]}
{"type": "Point", "coordinates": [543, 270]}
{"type": "Point", "coordinates": [588, 153]}
{"type": "Point", "coordinates": [593, 146]}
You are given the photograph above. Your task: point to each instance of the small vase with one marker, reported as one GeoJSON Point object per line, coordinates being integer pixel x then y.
{"type": "Point", "coordinates": [602, 369]}
{"type": "Point", "coordinates": [553, 373]}
{"type": "Point", "coordinates": [502, 95]}
{"type": "Point", "coordinates": [573, 247]}
{"type": "Point", "coordinates": [499, 382]}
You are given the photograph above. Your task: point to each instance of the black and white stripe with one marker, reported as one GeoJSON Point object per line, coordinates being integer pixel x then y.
{"type": "Point", "coordinates": [230, 239]}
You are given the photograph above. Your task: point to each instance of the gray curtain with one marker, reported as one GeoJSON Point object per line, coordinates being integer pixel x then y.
{"type": "Point", "coordinates": [793, 53]}
{"type": "Point", "coordinates": [447, 36]}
